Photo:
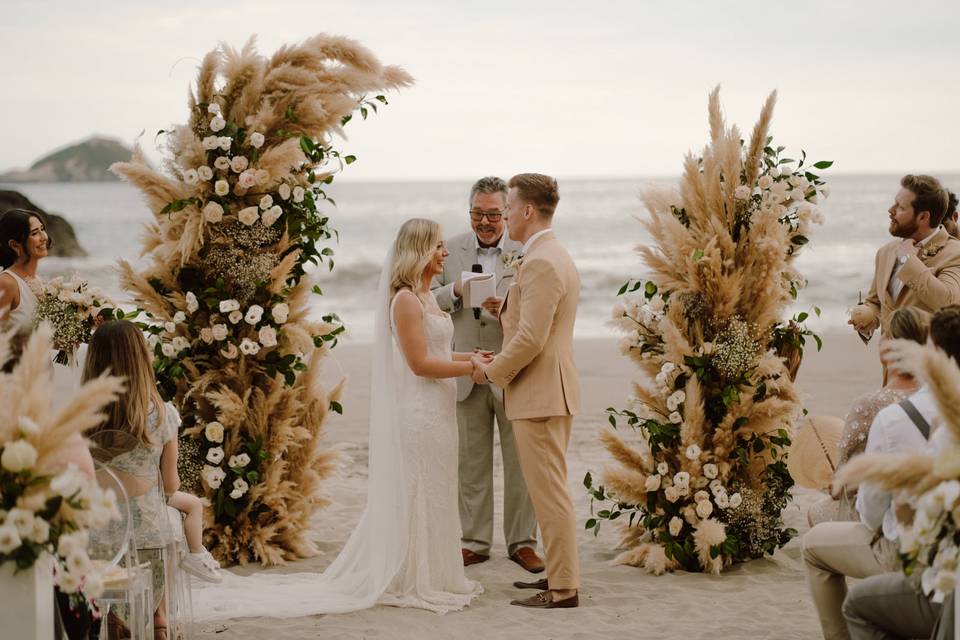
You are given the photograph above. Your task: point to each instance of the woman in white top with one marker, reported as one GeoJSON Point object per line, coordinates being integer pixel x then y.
{"type": "Point", "coordinates": [23, 243]}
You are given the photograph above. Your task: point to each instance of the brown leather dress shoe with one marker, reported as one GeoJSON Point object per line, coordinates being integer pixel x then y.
{"type": "Point", "coordinates": [528, 559]}
{"type": "Point", "coordinates": [472, 557]}
{"type": "Point", "coordinates": [540, 601]}
{"type": "Point", "coordinates": [539, 585]}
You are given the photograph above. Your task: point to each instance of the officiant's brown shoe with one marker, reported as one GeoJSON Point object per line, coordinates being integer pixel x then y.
{"type": "Point", "coordinates": [472, 557]}
{"type": "Point", "coordinates": [541, 601]}
{"type": "Point", "coordinates": [539, 585]}
{"type": "Point", "coordinates": [528, 559]}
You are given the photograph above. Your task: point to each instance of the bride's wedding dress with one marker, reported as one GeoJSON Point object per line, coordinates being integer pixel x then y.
{"type": "Point", "coordinates": [405, 551]}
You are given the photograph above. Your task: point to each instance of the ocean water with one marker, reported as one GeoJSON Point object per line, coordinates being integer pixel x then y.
{"type": "Point", "coordinates": [596, 220]}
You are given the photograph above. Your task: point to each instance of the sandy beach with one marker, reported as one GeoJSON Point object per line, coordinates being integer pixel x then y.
{"type": "Point", "coordinates": [762, 599]}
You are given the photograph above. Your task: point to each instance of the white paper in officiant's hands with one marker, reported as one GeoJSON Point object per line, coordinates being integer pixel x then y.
{"type": "Point", "coordinates": [477, 287]}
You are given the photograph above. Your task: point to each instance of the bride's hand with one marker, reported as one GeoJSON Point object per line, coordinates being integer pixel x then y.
{"type": "Point", "coordinates": [479, 365]}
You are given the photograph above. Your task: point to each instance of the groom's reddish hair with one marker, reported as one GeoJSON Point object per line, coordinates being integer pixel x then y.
{"type": "Point", "coordinates": [538, 190]}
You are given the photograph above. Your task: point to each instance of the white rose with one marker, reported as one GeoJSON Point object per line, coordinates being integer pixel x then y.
{"type": "Point", "coordinates": [170, 327]}
{"type": "Point", "coordinates": [794, 180]}
{"type": "Point", "coordinates": [798, 195]}
{"type": "Point", "coordinates": [742, 192]}
{"type": "Point", "coordinates": [247, 179]}
{"type": "Point", "coordinates": [239, 163]}
{"type": "Point", "coordinates": [180, 343]}
{"type": "Point", "coordinates": [67, 482]}
{"type": "Point", "coordinates": [672, 494]}
{"type": "Point", "coordinates": [22, 519]}
{"type": "Point", "coordinates": [27, 426]}
{"type": "Point", "coordinates": [71, 542]}
{"type": "Point", "coordinates": [271, 215]}
{"type": "Point", "coordinates": [67, 582]}
{"type": "Point", "coordinates": [217, 123]}
{"type": "Point", "coordinates": [235, 316]}
{"type": "Point", "coordinates": [692, 452]}
{"type": "Point", "coordinates": [681, 479]}
{"type": "Point", "coordinates": [735, 500]}
{"type": "Point", "coordinates": [652, 483]}
{"type": "Point", "coordinates": [215, 455]}
{"type": "Point", "coordinates": [298, 194]}
{"type": "Point", "coordinates": [205, 173]}
{"type": "Point", "coordinates": [219, 331]}
{"type": "Point", "coordinates": [722, 500]}
{"type": "Point", "coordinates": [284, 191]}
{"type": "Point", "coordinates": [226, 306]}
{"type": "Point", "coordinates": [254, 314]}
{"type": "Point", "coordinates": [663, 468]}
{"type": "Point", "coordinates": [213, 108]}
{"type": "Point", "coordinates": [671, 404]}
{"type": "Point", "coordinates": [256, 139]}
{"type": "Point", "coordinates": [222, 163]}
{"type": "Point", "coordinates": [9, 538]}
{"type": "Point", "coordinates": [213, 476]}
{"type": "Point", "coordinates": [704, 508]}
{"type": "Point", "coordinates": [240, 460]}
{"type": "Point", "coordinates": [676, 418]}
{"type": "Point", "coordinates": [268, 336]}
{"type": "Point", "coordinates": [229, 352]}
{"type": "Point", "coordinates": [661, 379]}
{"type": "Point", "coordinates": [40, 532]}
{"type": "Point", "coordinates": [191, 300]}
{"type": "Point", "coordinates": [190, 176]}
{"type": "Point", "coordinates": [213, 431]}
{"type": "Point", "coordinates": [701, 496]}
{"type": "Point", "coordinates": [667, 368]}
{"type": "Point", "coordinates": [240, 487]}
{"type": "Point", "coordinates": [716, 486]}
{"type": "Point", "coordinates": [179, 317]}
{"type": "Point", "coordinates": [92, 585]}
{"type": "Point", "coordinates": [248, 216]}
{"type": "Point", "coordinates": [280, 312]}
{"type": "Point", "coordinates": [206, 334]}
{"type": "Point", "coordinates": [210, 143]}
{"type": "Point", "coordinates": [221, 188]}
{"type": "Point", "coordinates": [225, 142]}
{"type": "Point", "coordinates": [213, 212]}
{"type": "Point", "coordinates": [78, 562]}
{"type": "Point", "coordinates": [249, 347]}
{"type": "Point", "coordinates": [266, 202]}
{"type": "Point", "coordinates": [710, 470]}
{"type": "Point", "coordinates": [765, 182]}
{"type": "Point", "coordinates": [168, 350]}
{"type": "Point", "coordinates": [676, 525]}
{"type": "Point", "coordinates": [18, 456]}
{"type": "Point", "coordinates": [681, 396]}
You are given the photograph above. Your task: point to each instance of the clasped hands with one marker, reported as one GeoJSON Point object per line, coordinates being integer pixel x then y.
{"type": "Point", "coordinates": [480, 359]}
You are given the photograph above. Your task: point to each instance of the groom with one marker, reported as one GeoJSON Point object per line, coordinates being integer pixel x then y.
{"type": "Point", "coordinates": [535, 369]}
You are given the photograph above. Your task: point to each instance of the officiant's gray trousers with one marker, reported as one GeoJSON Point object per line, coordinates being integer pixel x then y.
{"type": "Point", "coordinates": [890, 606]}
{"type": "Point", "coordinates": [476, 415]}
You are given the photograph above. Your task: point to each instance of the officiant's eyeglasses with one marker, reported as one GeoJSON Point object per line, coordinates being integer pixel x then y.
{"type": "Point", "coordinates": [492, 216]}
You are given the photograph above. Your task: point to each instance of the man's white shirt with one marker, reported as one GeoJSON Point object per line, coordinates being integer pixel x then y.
{"type": "Point", "coordinates": [893, 431]}
{"type": "Point", "coordinates": [487, 256]}
{"type": "Point", "coordinates": [895, 285]}
{"type": "Point", "coordinates": [532, 239]}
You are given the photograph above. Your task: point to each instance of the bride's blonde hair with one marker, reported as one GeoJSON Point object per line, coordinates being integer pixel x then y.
{"type": "Point", "coordinates": [413, 250]}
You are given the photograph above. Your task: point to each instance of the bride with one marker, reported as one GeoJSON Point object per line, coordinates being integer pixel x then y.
{"type": "Point", "coordinates": [405, 551]}
{"type": "Point", "coordinates": [23, 243]}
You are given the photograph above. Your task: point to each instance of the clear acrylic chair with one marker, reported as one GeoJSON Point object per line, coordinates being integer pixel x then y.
{"type": "Point", "coordinates": [128, 585]}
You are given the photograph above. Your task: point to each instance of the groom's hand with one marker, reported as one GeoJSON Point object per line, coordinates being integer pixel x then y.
{"type": "Point", "coordinates": [492, 305]}
{"type": "Point", "coordinates": [479, 369]}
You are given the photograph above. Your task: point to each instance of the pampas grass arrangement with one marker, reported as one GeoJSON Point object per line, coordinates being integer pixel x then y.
{"type": "Point", "coordinates": [239, 214]}
{"type": "Point", "coordinates": [703, 481]}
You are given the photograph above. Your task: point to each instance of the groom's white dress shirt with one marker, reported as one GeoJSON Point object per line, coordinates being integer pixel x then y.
{"type": "Point", "coordinates": [893, 431]}
{"type": "Point", "coordinates": [531, 240]}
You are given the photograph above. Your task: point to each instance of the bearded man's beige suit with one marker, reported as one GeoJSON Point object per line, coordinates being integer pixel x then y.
{"type": "Point", "coordinates": [541, 390]}
{"type": "Point", "coordinates": [928, 279]}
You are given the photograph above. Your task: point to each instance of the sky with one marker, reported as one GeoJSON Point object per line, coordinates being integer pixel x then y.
{"type": "Point", "coordinates": [573, 89]}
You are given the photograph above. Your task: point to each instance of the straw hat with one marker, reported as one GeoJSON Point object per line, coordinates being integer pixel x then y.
{"type": "Point", "coordinates": [814, 454]}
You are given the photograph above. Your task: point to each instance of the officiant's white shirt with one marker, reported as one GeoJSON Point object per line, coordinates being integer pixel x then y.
{"type": "Point", "coordinates": [487, 256]}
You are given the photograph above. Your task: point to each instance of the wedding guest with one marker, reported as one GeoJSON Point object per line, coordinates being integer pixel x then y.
{"type": "Point", "coordinates": [23, 243]}
{"type": "Point", "coordinates": [891, 605]}
{"type": "Point", "coordinates": [834, 550]}
{"type": "Point", "coordinates": [118, 347]}
{"type": "Point", "coordinates": [950, 221]}
{"type": "Point", "coordinates": [908, 323]}
{"type": "Point", "coordinates": [479, 407]}
{"type": "Point", "coordinates": [922, 268]}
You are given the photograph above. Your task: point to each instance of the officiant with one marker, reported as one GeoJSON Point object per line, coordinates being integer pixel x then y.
{"type": "Point", "coordinates": [486, 249]}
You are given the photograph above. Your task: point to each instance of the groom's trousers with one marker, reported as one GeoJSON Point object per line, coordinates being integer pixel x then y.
{"type": "Point", "coordinates": [542, 447]}
{"type": "Point", "coordinates": [475, 415]}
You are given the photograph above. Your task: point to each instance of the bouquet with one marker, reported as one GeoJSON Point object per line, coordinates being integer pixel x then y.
{"type": "Point", "coordinates": [928, 544]}
{"type": "Point", "coordinates": [73, 308]}
{"type": "Point", "coordinates": [45, 509]}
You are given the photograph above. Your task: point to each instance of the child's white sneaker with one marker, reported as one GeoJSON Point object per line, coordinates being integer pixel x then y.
{"type": "Point", "coordinates": [203, 566]}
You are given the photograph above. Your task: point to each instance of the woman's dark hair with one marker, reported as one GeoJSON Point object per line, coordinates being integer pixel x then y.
{"type": "Point", "coordinates": [15, 225]}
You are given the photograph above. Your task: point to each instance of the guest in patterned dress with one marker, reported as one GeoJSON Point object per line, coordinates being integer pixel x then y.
{"type": "Point", "coordinates": [907, 323]}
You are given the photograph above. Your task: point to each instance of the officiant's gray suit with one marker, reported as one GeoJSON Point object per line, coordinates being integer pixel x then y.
{"type": "Point", "coordinates": [479, 405]}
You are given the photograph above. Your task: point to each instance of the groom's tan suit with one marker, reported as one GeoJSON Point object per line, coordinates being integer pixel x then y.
{"type": "Point", "coordinates": [542, 392]}
{"type": "Point", "coordinates": [929, 279]}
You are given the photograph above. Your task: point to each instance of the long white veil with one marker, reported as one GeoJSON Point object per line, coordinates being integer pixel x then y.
{"type": "Point", "coordinates": [363, 571]}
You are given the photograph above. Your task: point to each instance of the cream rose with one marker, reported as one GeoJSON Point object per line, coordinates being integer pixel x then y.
{"type": "Point", "coordinates": [266, 202]}
{"type": "Point", "coordinates": [247, 179]}
{"type": "Point", "coordinates": [280, 312]}
{"type": "Point", "coordinates": [213, 212]}
{"type": "Point", "coordinates": [221, 188]}
{"type": "Point", "coordinates": [226, 306]}
{"type": "Point", "coordinates": [268, 336]}
{"type": "Point", "coordinates": [191, 299]}
{"type": "Point", "coordinates": [235, 316]}
{"type": "Point", "coordinates": [249, 347]}
{"type": "Point", "coordinates": [206, 334]}
{"type": "Point", "coordinates": [254, 314]}
{"type": "Point", "coordinates": [256, 139]}
{"type": "Point", "coordinates": [248, 216]}
{"type": "Point", "coordinates": [222, 163]}
{"type": "Point", "coordinates": [217, 123]}
{"type": "Point", "coordinates": [225, 142]}
{"type": "Point", "coordinates": [219, 331]}
{"type": "Point", "coordinates": [18, 455]}
{"type": "Point", "coordinates": [210, 143]}
{"type": "Point", "coordinates": [676, 525]}
{"type": "Point", "coordinates": [239, 163]}
{"type": "Point", "coordinates": [652, 483]}
{"type": "Point", "coordinates": [213, 431]}
{"type": "Point", "coordinates": [230, 351]}
{"type": "Point", "coordinates": [213, 476]}
{"type": "Point", "coordinates": [271, 215]}
{"type": "Point", "coordinates": [298, 194]}
{"type": "Point", "coordinates": [284, 191]}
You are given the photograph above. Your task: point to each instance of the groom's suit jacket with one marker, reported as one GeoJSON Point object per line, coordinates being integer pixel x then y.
{"type": "Point", "coordinates": [931, 279]}
{"type": "Point", "coordinates": [469, 332]}
{"type": "Point", "coordinates": [536, 368]}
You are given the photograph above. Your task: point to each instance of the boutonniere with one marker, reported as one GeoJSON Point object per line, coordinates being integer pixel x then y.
{"type": "Point", "coordinates": [511, 260]}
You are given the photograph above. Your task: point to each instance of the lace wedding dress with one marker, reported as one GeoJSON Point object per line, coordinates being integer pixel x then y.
{"type": "Point", "coordinates": [405, 551]}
